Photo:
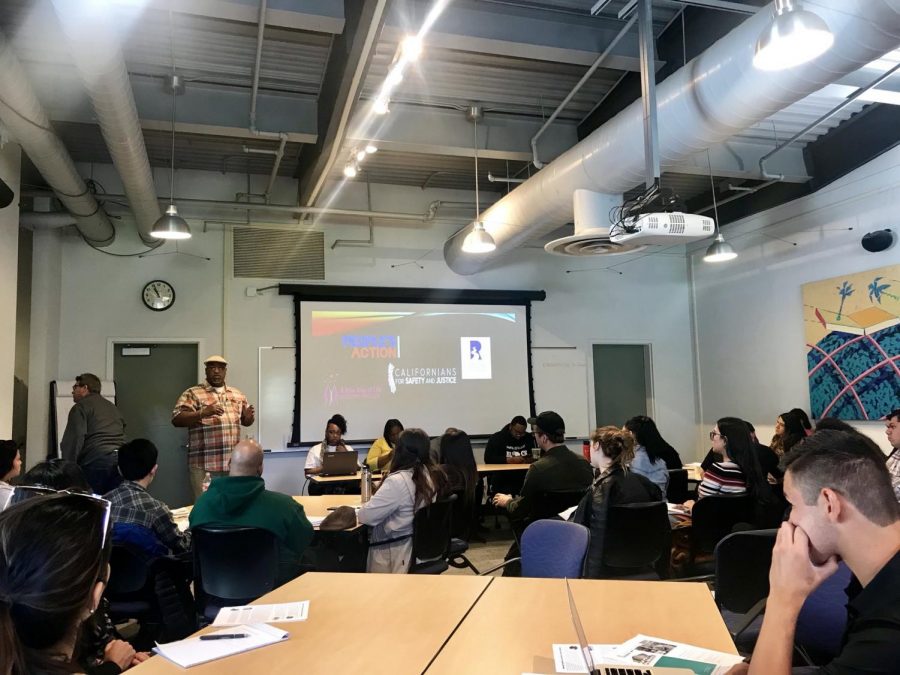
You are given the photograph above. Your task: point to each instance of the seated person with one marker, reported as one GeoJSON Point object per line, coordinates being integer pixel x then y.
{"type": "Point", "coordinates": [135, 513]}
{"type": "Point", "coordinates": [241, 499]}
{"type": "Point", "coordinates": [58, 474]}
{"type": "Point", "coordinates": [412, 483]}
{"type": "Point", "coordinates": [646, 435]}
{"type": "Point", "coordinates": [10, 466]}
{"type": "Point", "coordinates": [768, 460]}
{"type": "Point", "coordinates": [334, 442]}
{"type": "Point", "coordinates": [611, 453]}
{"type": "Point", "coordinates": [559, 469]}
{"type": "Point", "coordinates": [739, 472]}
{"type": "Point", "coordinates": [458, 463]}
{"type": "Point", "coordinates": [379, 456]}
{"type": "Point", "coordinates": [511, 445]}
{"type": "Point", "coordinates": [54, 553]}
{"type": "Point", "coordinates": [646, 459]}
{"type": "Point", "coordinates": [842, 509]}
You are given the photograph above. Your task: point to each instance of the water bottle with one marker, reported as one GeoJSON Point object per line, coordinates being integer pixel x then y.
{"type": "Point", "coordinates": [207, 479]}
{"type": "Point", "coordinates": [365, 484]}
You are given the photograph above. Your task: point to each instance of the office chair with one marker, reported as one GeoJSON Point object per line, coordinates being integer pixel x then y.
{"type": "Point", "coordinates": [232, 566]}
{"type": "Point", "coordinates": [552, 549]}
{"type": "Point", "coordinates": [463, 522]}
{"type": "Point", "coordinates": [742, 562]}
{"type": "Point", "coordinates": [678, 492]}
{"type": "Point", "coordinates": [635, 539]}
{"type": "Point", "coordinates": [431, 537]}
{"type": "Point", "coordinates": [823, 619]}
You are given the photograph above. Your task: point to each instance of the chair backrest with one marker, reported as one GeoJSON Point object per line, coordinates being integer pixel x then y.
{"type": "Point", "coordinates": [742, 563]}
{"type": "Point", "coordinates": [234, 563]}
{"type": "Point", "coordinates": [635, 534]}
{"type": "Point", "coordinates": [823, 618]}
{"type": "Point", "coordinates": [715, 516]}
{"type": "Point", "coordinates": [432, 528]}
{"type": "Point", "coordinates": [554, 549]}
{"type": "Point", "coordinates": [139, 536]}
{"type": "Point", "coordinates": [129, 571]}
{"type": "Point", "coordinates": [550, 503]}
{"type": "Point", "coordinates": [678, 492]}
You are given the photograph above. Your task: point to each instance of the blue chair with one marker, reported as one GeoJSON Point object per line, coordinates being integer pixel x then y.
{"type": "Point", "coordinates": [552, 549]}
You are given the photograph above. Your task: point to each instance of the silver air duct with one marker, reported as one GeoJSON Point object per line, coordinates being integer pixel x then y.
{"type": "Point", "coordinates": [713, 97]}
{"type": "Point", "coordinates": [98, 55]}
{"type": "Point", "coordinates": [24, 116]}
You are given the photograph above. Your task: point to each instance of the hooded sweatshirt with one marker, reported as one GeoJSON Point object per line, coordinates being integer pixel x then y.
{"type": "Point", "coordinates": [244, 501]}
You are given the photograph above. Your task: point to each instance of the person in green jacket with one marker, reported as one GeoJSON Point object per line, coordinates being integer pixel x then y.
{"type": "Point", "coordinates": [241, 499]}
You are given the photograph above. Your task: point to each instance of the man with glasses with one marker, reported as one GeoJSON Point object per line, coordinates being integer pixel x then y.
{"type": "Point", "coordinates": [213, 414]}
{"type": "Point", "coordinates": [94, 431]}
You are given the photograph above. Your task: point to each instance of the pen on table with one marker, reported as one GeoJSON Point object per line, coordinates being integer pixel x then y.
{"type": "Point", "coordinates": [224, 636]}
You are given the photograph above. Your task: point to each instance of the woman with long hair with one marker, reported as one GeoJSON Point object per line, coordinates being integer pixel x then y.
{"type": "Point", "coordinates": [612, 450]}
{"type": "Point", "coordinates": [414, 482]}
{"type": "Point", "coordinates": [647, 460]}
{"type": "Point", "coordinates": [54, 557]}
{"type": "Point", "coordinates": [458, 464]}
{"type": "Point", "coordinates": [647, 436]}
{"type": "Point", "coordinates": [789, 431]}
{"type": "Point", "coordinates": [379, 456]}
{"type": "Point", "coordinates": [10, 466]}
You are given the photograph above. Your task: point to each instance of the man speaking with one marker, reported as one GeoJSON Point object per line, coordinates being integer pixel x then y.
{"type": "Point", "coordinates": [213, 414]}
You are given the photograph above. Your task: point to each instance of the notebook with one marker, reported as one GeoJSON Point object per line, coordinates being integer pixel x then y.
{"type": "Point", "coordinates": [194, 651]}
{"type": "Point", "coordinates": [612, 668]}
{"type": "Point", "coordinates": [345, 463]}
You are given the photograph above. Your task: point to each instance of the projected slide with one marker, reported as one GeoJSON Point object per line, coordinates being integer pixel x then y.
{"type": "Point", "coordinates": [430, 366]}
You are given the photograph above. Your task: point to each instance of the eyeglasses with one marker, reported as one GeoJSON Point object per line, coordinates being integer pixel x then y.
{"type": "Point", "coordinates": [22, 493]}
{"type": "Point", "coordinates": [713, 434]}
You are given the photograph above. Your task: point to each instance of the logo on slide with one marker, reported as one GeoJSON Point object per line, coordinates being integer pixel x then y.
{"type": "Point", "coordinates": [372, 346]}
{"type": "Point", "coordinates": [475, 356]}
{"type": "Point", "coordinates": [391, 383]}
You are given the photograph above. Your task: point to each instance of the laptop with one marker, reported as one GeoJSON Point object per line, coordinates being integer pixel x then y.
{"type": "Point", "coordinates": [612, 668]}
{"type": "Point", "coordinates": [344, 463]}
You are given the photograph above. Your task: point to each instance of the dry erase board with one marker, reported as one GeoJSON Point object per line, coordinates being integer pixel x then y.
{"type": "Point", "coordinates": [275, 408]}
{"type": "Point", "coordinates": [561, 384]}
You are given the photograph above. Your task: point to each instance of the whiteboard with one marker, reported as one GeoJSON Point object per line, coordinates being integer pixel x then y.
{"type": "Point", "coordinates": [275, 408]}
{"type": "Point", "coordinates": [561, 384]}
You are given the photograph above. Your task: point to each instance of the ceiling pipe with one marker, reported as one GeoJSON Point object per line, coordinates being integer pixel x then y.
{"type": "Point", "coordinates": [96, 50]}
{"type": "Point", "coordinates": [45, 220]}
{"type": "Point", "coordinates": [715, 96]}
{"type": "Point", "coordinates": [578, 85]}
{"type": "Point", "coordinates": [24, 116]}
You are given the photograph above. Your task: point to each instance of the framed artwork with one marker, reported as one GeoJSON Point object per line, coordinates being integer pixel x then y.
{"type": "Point", "coordinates": [852, 331]}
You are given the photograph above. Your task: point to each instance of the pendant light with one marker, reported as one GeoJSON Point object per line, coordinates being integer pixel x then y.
{"type": "Point", "coordinates": [720, 250]}
{"type": "Point", "coordinates": [478, 240]}
{"type": "Point", "coordinates": [171, 225]}
{"type": "Point", "coordinates": [794, 36]}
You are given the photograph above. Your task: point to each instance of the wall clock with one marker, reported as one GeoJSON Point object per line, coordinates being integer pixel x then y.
{"type": "Point", "coordinates": [158, 295]}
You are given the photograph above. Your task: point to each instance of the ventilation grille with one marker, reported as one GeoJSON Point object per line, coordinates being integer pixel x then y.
{"type": "Point", "coordinates": [279, 254]}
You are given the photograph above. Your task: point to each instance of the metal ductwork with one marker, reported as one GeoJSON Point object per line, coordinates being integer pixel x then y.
{"type": "Point", "coordinates": [97, 53]}
{"type": "Point", "coordinates": [591, 236]}
{"type": "Point", "coordinates": [24, 116]}
{"type": "Point", "coordinates": [713, 97]}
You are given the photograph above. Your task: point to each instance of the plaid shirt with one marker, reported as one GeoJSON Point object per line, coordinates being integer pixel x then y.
{"type": "Point", "coordinates": [893, 465]}
{"type": "Point", "coordinates": [210, 440]}
{"type": "Point", "coordinates": [131, 503]}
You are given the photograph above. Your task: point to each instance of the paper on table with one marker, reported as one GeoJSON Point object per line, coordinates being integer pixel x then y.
{"type": "Point", "coordinates": [289, 611]}
{"type": "Point", "coordinates": [315, 521]}
{"type": "Point", "coordinates": [652, 651]}
{"type": "Point", "coordinates": [568, 658]}
{"type": "Point", "coordinates": [568, 512]}
{"type": "Point", "coordinates": [194, 651]}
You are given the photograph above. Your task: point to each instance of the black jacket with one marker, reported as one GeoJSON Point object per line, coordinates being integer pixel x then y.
{"type": "Point", "coordinates": [616, 486]}
{"type": "Point", "coordinates": [502, 445]}
{"type": "Point", "coordinates": [558, 470]}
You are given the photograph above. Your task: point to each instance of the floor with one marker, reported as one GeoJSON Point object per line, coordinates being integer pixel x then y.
{"type": "Point", "coordinates": [492, 552]}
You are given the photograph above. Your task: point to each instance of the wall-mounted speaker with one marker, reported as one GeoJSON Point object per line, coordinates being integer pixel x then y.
{"type": "Point", "coordinates": [877, 241]}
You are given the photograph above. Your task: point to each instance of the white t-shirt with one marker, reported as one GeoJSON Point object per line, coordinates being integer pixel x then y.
{"type": "Point", "coordinates": [314, 457]}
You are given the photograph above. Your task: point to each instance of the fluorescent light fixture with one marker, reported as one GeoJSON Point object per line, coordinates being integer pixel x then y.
{"type": "Point", "coordinates": [371, 149]}
{"type": "Point", "coordinates": [719, 251]}
{"type": "Point", "coordinates": [795, 36]}
{"type": "Point", "coordinates": [381, 106]}
{"type": "Point", "coordinates": [350, 170]}
{"type": "Point", "coordinates": [478, 240]}
{"type": "Point", "coordinates": [360, 155]}
{"type": "Point", "coordinates": [411, 47]}
{"type": "Point", "coordinates": [170, 226]}
{"type": "Point", "coordinates": [394, 77]}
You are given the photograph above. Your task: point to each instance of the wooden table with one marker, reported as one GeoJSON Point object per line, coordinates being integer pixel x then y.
{"type": "Point", "coordinates": [358, 623]}
{"type": "Point", "coordinates": [316, 478]}
{"type": "Point", "coordinates": [493, 468]}
{"type": "Point", "coordinates": [513, 625]}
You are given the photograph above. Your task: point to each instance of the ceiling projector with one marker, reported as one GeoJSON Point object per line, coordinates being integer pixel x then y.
{"type": "Point", "coordinates": [662, 229]}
